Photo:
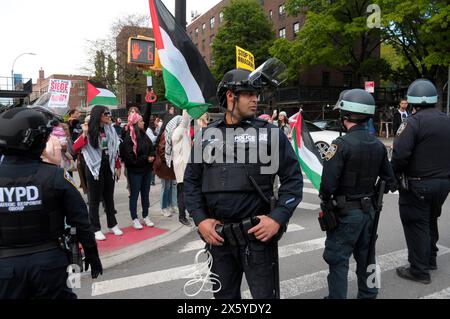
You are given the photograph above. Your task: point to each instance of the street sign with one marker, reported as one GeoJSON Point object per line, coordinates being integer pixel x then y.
{"type": "Point", "coordinates": [370, 86]}
{"type": "Point", "coordinates": [141, 51]}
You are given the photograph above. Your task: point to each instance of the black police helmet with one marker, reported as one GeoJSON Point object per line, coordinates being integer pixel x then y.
{"type": "Point", "coordinates": [356, 105]}
{"type": "Point", "coordinates": [422, 93]}
{"type": "Point", "coordinates": [23, 132]}
{"type": "Point", "coordinates": [236, 81]}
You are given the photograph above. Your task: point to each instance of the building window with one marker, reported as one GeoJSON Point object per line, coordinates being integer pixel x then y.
{"type": "Point", "coordinates": [270, 14]}
{"type": "Point", "coordinates": [212, 22]}
{"type": "Point", "coordinates": [196, 32]}
{"type": "Point", "coordinates": [296, 28]}
{"type": "Point", "coordinates": [282, 33]}
{"type": "Point", "coordinates": [211, 40]}
{"type": "Point", "coordinates": [221, 17]}
{"type": "Point", "coordinates": [325, 78]}
{"type": "Point", "coordinates": [348, 79]}
{"type": "Point", "coordinates": [281, 10]}
{"type": "Point", "coordinates": [203, 44]}
{"type": "Point", "coordinates": [203, 27]}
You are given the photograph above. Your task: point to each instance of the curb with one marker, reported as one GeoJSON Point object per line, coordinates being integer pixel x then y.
{"type": "Point", "coordinates": [131, 252]}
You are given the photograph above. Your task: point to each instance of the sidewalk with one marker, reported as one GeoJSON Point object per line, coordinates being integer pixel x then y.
{"type": "Point", "coordinates": [134, 243]}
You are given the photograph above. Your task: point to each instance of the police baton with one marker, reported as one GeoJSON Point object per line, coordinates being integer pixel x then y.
{"type": "Point", "coordinates": [378, 208]}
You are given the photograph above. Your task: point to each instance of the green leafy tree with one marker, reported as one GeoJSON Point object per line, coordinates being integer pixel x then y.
{"type": "Point", "coordinates": [418, 31]}
{"type": "Point", "coordinates": [247, 26]}
{"type": "Point", "coordinates": [335, 34]}
{"type": "Point", "coordinates": [100, 70]}
{"type": "Point", "coordinates": [111, 74]}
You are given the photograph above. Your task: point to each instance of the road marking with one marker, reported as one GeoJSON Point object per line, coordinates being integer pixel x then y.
{"type": "Point", "coordinates": [443, 294]}
{"type": "Point", "coordinates": [310, 190]}
{"type": "Point", "coordinates": [185, 272]}
{"type": "Point", "coordinates": [200, 244]}
{"type": "Point", "coordinates": [318, 280]}
{"type": "Point", "coordinates": [308, 206]}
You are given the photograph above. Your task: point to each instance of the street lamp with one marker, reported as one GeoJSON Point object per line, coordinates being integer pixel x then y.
{"type": "Point", "coordinates": [12, 68]}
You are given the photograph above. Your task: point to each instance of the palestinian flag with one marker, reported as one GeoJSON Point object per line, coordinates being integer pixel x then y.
{"type": "Point", "coordinates": [189, 83]}
{"type": "Point", "coordinates": [307, 154]}
{"type": "Point", "coordinates": [100, 96]}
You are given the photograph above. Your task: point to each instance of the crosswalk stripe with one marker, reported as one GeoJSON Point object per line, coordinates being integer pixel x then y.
{"type": "Point", "coordinates": [443, 294]}
{"type": "Point", "coordinates": [308, 206]}
{"type": "Point", "coordinates": [199, 244]}
{"type": "Point", "coordinates": [318, 280]}
{"type": "Point", "coordinates": [310, 190]}
{"type": "Point", "coordinates": [185, 272]}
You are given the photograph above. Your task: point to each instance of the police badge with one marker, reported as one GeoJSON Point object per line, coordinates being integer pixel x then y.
{"type": "Point", "coordinates": [331, 152]}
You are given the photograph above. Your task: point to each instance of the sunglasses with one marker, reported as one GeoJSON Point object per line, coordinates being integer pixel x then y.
{"type": "Point", "coordinates": [107, 114]}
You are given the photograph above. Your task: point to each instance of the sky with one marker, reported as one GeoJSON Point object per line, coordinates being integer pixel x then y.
{"type": "Point", "coordinates": [58, 30]}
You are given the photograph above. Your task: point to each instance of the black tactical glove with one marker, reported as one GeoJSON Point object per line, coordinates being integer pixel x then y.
{"type": "Point", "coordinates": [92, 259]}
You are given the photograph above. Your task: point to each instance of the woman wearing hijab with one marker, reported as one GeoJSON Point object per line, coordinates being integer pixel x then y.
{"type": "Point", "coordinates": [99, 145]}
{"type": "Point", "coordinates": [138, 154]}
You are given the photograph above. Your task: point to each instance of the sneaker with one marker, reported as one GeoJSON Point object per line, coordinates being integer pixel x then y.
{"type": "Point", "coordinates": [116, 231]}
{"type": "Point", "coordinates": [137, 224]}
{"type": "Point", "coordinates": [185, 221]}
{"type": "Point", "coordinates": [148, 222]}
{"type": "Point", "coordinates": [405, 273]}
{"type": "Point", "coordinates": [99, 235]}
{"type": "Point", "coordinates": [174, 210]}
{"type": "Point", "coordinates": [166, 212]}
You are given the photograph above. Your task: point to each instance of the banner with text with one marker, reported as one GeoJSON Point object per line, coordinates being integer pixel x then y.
{"type": "Point", "coordinates": [60, 94]}
{"type": "Point", "coordinates": [244, 59]}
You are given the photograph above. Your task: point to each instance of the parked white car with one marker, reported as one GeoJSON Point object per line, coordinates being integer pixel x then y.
{"type": "Point", "coordinates": [322, 138]}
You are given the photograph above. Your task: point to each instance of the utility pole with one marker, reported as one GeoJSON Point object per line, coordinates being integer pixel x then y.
{"type": "Point", "coordinates": [180, 13]}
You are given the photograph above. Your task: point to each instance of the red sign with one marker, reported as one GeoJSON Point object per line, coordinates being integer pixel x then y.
{"type": "Point", "coordinates": [370, 86]}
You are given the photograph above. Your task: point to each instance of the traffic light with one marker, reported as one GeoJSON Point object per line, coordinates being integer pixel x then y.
{"type": "Point", "coordinates": [141, 51]}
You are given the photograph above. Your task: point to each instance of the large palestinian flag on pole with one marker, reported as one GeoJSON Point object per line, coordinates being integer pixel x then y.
{"type": "Point", "coordinates": [189, 83]}
{"type": "Point", "coordinates": [96, 95]}
{"type": "Point", "coordinates": [307, 154]}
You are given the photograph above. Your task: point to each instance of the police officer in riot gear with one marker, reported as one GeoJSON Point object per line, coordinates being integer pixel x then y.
{"type": "Point", "coordinates": [421, 160]}
{"type": "Point", "coordinates": [351, 168]}
{"type": "Point", "coordinates": [35, 200]}
{"type": "Point", "coordinates": [231, 200]}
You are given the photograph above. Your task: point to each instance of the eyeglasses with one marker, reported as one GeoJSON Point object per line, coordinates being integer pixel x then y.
{"type": "Point", "coordinates": [107, 114]}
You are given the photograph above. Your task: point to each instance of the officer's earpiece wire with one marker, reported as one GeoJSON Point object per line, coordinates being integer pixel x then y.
{"type": "Point", "coordinates": [203, 275]}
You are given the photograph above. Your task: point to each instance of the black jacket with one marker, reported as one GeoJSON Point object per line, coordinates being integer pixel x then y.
{"type": "Point", "coordinates": [397, 121]}
{"type": "Point", "coordinates": [228, 196]}
{"type": "Point", "coordinates": [137, 163]}
{"type": "Point", "coordinates": [422, 149]}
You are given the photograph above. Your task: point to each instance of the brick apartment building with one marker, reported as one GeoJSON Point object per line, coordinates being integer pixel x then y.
{"type": "Point", "coordinates": [203, 29]}
{"type": "Point", "coordinates": [131, 82]}
{"type": "Point", "coordinates": [78, 90]}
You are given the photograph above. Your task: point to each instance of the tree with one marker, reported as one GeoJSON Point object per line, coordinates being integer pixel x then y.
{"type": "Point", "coordinates": [100, 70]}
{"type": "Point", "coordinates": [111, 74]}
{"type": "Point", "coordinates": [245, 25]}
{"type": "Point", "coordinates": [418, 30]}
{"type": "Point", "coordinates": [335, 34]}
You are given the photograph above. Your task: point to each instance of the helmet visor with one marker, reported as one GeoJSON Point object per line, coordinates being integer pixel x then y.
{"type": "Point", "coordinates": [272, 72]}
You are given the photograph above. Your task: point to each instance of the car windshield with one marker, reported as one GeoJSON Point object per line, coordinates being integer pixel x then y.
{"type": "Point", "coordinates": [312, 128]}
{"type": "Point", "coordinates": [321, 124]}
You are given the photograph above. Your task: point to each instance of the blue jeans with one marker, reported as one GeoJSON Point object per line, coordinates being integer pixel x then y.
{"type": "Point", "coordinates": [139, 183]}
{"type": "Point", "coordinates": [168, 193]}
{"type": "Point", "coordinates": [351, 237]}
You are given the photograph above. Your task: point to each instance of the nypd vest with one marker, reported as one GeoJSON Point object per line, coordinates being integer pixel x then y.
{"type": "Point", "coordinates": [362, 168]}
{"type": "Point", "coordinates": [233, 174]}
{"type": "Point", "coordinates": [29, 208]}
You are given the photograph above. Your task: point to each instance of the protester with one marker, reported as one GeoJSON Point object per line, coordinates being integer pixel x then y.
{"type": "Point", "coordinates": [52, 152]}
{"type": "Point", "coordinates": [138, 154]}
{"type": "Point", "coordinates": [99, 145]}
{"type": "Point", "coordinates": [166, 174]}
{"type": "Point", "coordinates": [283, 123]}
{"type": "Point", "coordinates": [400, 115]}
{"type": "Point", "coordinates": [74, 124]}
{"type": "Point", "coordinates": [118, 126]}
{"type": "Point", "coordinates": [181, 149]}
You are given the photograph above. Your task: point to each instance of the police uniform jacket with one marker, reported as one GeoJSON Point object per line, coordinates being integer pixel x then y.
{"type": "Point", "coordinates": [352, 165]}
{"type": "Point", "coordinates": [223, 190]}
{"type": "Point", "coordinates": [422, 145]}
{"type": "Point", "coordinates": [35, 197]}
